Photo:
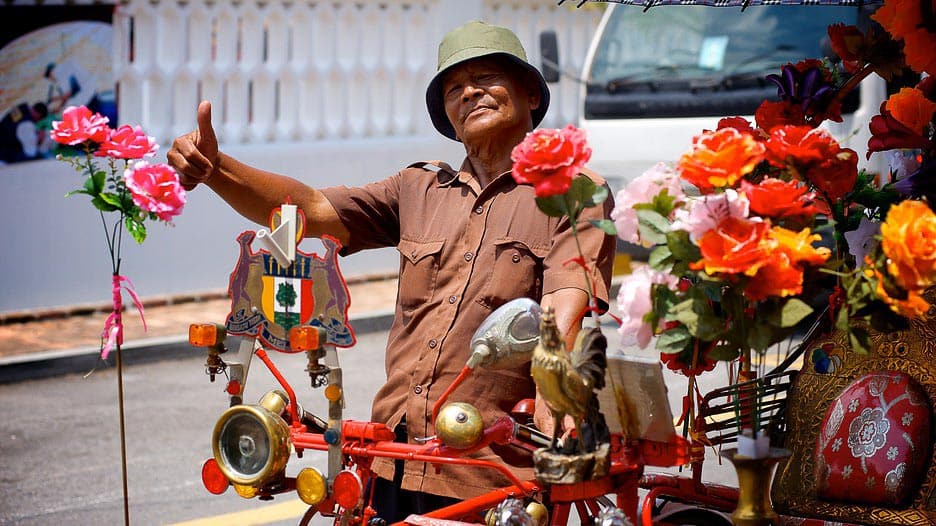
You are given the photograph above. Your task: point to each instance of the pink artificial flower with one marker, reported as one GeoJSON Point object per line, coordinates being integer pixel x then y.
{"type": "Point", "coordinates": [78, 125]}
{"type": "Point", "coordinates": [634, 298]}
{"type": "Point", "coordinates": [549, 159]}
{"type": "Point", "coordinates": [155, 188]}
{"type": "Point", "coordinates": [640, 191]}
{"type": "Point", "coordinates": [128, 142]}
{"type": "Point", "coordinates": [707, 212]}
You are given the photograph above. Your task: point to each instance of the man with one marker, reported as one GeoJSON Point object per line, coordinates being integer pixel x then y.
{"type": "Point", "coordinates": [20, 135]}
{"type": "Point", "coordinates": [469, 241]}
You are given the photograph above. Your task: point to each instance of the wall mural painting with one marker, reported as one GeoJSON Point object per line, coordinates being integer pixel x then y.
{"type": "Point", "coordinates": [51, 57]}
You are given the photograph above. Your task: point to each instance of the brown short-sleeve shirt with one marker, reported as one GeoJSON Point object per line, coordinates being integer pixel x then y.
{"type": "Point", "coordinates": [464, 251]}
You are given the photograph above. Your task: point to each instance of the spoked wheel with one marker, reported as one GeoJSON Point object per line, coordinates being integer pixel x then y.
{"type": "Point", "coordinates": [691, 516]}
{"type": "Point", "coordinates": [588, 511]}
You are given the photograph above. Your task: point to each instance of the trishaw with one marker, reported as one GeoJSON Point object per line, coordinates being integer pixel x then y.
{"type": "Point", "coordinates": [252, 443]}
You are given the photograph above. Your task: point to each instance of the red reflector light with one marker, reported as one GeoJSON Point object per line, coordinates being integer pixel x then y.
{"type": "Point", "coordinates": [347, 489]}
{"type": "Point", "coordinates": [203, 334]}
{"type": "Point", "coordinates": [305, 338]}
{"type": "Point", "coordinates": [233, 388]}
{"type": "Point", "coordinates": [212, 477]}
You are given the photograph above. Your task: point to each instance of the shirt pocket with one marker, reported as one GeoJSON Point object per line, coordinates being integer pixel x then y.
{"type": "Point", "coordinates": [517, 273]}
{"type": "Point", "coordinates": [419, 268]}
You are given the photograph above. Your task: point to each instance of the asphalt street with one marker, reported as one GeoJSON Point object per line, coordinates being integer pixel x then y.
{"type": "Point", "coordinates": [60, 446]}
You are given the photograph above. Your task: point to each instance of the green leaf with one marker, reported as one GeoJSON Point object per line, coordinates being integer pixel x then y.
{"type": "Point", "coordinates": [653, 227]}
{"type": "Point", "coordinates": [664, 203]}
{"type": "Point", "coordinates": [682, 247]}
{"type": "Point", "coordinates": [598, 196]}
{"type": "Point", "coordinates": [111, 199]}
{"type": "Point", "coordinates": [660, 258]}
{"type": "Point", "coordinates": [552, 206]}
{"type": "Point", "coordinates": [724, 352]}
{"type": "Point", "coordinates": [760, 336]}
{"type": "Point", "coordinates": [860, 340]}
{"type": "Point", "coordinates": [792, 312]}
{"type": "Point", "coordinates": [605, 225]}
{"type": "Point", "coordinates": [674, 340]}
{"type": "Point", "coordinates": [103, 205]}
{"type": "Point", "coordinates": [136, 228]}
{"type": "Point", "coordinates": [697, 315]}
{"type": "Point", "coordinates": [73, 192]}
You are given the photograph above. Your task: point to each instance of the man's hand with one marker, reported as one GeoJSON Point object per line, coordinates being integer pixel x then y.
{"type": "Point", "coordinates": [543, 419]}
{"type": "Point", "coordinates": [195, 155]}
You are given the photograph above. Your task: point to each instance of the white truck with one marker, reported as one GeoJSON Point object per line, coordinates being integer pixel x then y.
{"type": "Point", "coordinates": [654, 79]}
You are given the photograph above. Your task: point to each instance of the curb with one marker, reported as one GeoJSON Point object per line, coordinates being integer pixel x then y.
{"type": "Point", "coordinates": [80, 360]}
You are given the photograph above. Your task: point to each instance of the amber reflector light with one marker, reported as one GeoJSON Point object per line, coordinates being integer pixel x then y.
{"type": "Point", "coordinates": [203, 334]}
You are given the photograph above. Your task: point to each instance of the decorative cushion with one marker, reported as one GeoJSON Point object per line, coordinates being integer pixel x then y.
{"type": "Point", "coordinates": [874, 442]}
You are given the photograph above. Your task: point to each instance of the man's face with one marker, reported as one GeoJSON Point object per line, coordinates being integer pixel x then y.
{"type": "Point", "coordinates": [485, 97]}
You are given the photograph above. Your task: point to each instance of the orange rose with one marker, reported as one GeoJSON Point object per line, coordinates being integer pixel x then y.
{"type": "Point", "coordinates": [911, 108]}
{"type": "Point", "coordinates": [913, 306]}
{"type": "Point", "coordinates": [909, 242]}
{"type": "Point", "coordinates": [783, 274]}
{"type": "Point", "coordinates": [903, 19]}
{"type": "Point", "coordinates": [735, 246]}
{"type": "Point", "coordinates": [719, 158]}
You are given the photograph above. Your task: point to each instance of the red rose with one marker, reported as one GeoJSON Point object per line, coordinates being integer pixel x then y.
{"type": "Point", "coordinates": [779, 199]}
{"type": "Point", "coordinates": [769, 115]}
{"type": "Point", "coordinates": [816, 157]}
{"type": "Point", "coordinates": [128, 142]}
{"type": "Point", "coordinates": [78, 125]}
{"type": "Point", "coordinates": [549, 159]}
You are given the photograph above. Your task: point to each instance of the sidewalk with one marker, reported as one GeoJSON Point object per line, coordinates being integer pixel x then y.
{"type": "Point", "coordinates": [41, 344]}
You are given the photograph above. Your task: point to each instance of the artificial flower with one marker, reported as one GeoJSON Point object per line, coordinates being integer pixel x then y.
{"type": "Point", "coordinates": [888, 133]}
{"type": "Point", "coordinates": [908, 239]}
{"type": "Point", "coordinates": [777, 277]}
{"type": "Point", "coordinates": [808, 85]}
{"type": "Point", "coordinates": [903, 19]}
{"type": "Point", "coordinates": [635, 299]}
{"type": "Point", "coordinates": [798, 246]}
{"type": "Point", "coordinates": [921, 183]}
{"type": "Point", "coordinates": [720, 158]}
{"type": "Point", "coordinates": [911, 107]}
{"type": "Point", "coordinates": [735, 246]}
{"type": "Point", "coordinates": [911, 305]}
{"type": "Point", "coordinates": [771, 114]}
{"type": "Point", "coordinates": [862, 239]}
{"type": "Point", "coordinates": [776, 198]}
{"type": "Point", "coordinates": [79, 125]}
{"type": "Point", "coordinates": [641, 191]}
{"type": "Point", "coordinates": [706, 212]}
{"type": "Point", "coordinates": [549, 159]}
{"type": "Point", "coordinates": [816, 157]}
{"type": "Point", "coordinates": [155, 188]}
{"type": "Point", "coordinates": [681, 362]}
{"type": "Point", "coordinates": [128, 142]}
{"type": "Point", "coordinates": [848, 42]}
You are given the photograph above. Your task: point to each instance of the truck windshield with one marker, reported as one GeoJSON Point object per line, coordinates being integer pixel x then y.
{"type": "Point", "coordinates": [671, 48]}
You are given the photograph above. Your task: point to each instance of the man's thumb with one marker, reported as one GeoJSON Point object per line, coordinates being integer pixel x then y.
{"type": "Point", "coordinates": [205, 131]}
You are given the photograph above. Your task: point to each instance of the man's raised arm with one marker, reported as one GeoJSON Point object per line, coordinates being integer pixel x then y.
{"type": "Point", "coordinates": [250, 191]}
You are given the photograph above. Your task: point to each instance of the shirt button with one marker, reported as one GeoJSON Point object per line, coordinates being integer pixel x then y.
{"type": "Point", "coordinates": [417, 389]}
{"type": "Point", "coordinates": [452, 299]}
{"type": "Point", "coordinates": [516, 258]}
{"type": "Point", "coordinates": [433, 344]}
{"type": "Point", "coordinates": [479, 210]}
{"type": "Point", "coordinates": [468, 256]}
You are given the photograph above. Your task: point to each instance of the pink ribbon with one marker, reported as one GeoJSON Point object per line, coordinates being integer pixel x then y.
{"type": "Point", "coordinates": [113, 325]}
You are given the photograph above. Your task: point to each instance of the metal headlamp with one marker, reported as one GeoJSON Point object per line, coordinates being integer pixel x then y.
{"type": "Point", "coordinates": [251, 442]}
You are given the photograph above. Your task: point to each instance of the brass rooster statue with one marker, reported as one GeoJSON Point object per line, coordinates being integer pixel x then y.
{"type": "Point", "coordinates": [567, 382]}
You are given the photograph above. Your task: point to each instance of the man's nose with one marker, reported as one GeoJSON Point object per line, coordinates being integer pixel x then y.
{"type": "Point", "coordinates": [471, 92]}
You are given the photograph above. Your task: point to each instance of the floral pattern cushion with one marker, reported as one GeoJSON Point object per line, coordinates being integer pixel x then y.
{"type": "Point", "coordinates": [874, 442]}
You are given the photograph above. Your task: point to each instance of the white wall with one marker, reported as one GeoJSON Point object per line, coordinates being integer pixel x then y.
{"type": "Point", "coordinates": [350, 79]}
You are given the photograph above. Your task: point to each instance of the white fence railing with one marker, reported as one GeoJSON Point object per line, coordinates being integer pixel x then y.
{"type": "Point", "coordinates": [283, 71]}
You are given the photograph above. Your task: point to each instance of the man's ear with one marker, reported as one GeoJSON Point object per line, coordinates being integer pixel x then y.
{"type": "Point", "coordinates": [533, 91]}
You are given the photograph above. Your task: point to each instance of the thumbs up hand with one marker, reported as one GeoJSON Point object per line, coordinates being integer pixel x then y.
{"type": "Point", "coordinates": [195, 155]}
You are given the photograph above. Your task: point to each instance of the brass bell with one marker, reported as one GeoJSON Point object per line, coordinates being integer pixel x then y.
{"type": "Point", "coordinates": [459, 425]}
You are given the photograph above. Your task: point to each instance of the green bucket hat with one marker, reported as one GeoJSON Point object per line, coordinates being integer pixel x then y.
{"type": "Point", "coordinates": [473, 40]}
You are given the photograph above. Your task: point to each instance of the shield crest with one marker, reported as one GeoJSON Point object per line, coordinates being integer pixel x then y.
{"type": "Point", "coordinates": [268, 299]}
